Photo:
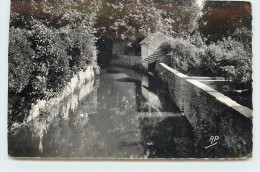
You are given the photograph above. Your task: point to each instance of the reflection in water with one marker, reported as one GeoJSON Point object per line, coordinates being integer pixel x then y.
{"type": "Point", "coordinates": [170, 137]}
{"type": "Point", "coordinates": [120, 114]}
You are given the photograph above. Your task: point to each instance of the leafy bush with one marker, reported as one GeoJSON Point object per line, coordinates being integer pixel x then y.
{"type": "Point", "coordinates": [230, 59]}
{"type": "Point", "coordinates": [80, 47]}
{"type": "Point", "coordinates": [182, 55]}
{"type": "Point", "coordinates": [20, 56]}
{"type": "Point", "coordinates": [51, 60]}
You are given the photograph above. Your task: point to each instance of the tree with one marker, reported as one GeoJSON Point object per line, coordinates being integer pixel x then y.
{"type": "Point", "coordinates": [132, 19]}
{"type": "Point", "coordinates": [49, 41]}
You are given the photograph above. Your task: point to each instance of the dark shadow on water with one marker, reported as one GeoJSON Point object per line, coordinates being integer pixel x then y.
{"type": "Point", "coordinates": [127, 79]}
{"type": "Point", "coordinates": [170, 137]}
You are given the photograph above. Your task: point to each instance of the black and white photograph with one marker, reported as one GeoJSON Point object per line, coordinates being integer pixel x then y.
{"type": "Point", "coordinates": [130, 80]}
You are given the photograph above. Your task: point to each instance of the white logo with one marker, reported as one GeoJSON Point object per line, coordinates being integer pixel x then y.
{"type": "Point", "coordinates": [213, 141]}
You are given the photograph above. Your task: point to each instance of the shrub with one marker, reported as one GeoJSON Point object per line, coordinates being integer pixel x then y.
{"type": "Point", "coordinates": [80, 47]}
{"type": "Point", "coordinates": [20, 72]}
{"type": "Point", "coordinates": [20, 56]}
{"type": "Point", "coordinates": [230, 59]}
{"type": "Point", "coordinates": [51, 60]}
{"type": "Point", "coordinates": [182, 55]}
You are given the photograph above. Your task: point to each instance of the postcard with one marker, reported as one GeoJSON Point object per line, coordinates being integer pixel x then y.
{"type": "Point", "coordinates": [130, 79]}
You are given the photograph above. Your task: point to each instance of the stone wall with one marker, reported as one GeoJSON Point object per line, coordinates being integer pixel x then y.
{"type": "Point", "coordinates": [126, 60]}
{"type": "Point", "coordinates": [211, 114]}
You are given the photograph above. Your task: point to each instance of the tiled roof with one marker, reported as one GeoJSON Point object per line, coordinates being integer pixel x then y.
{"type": "Point", "coordinates": [153, 57]}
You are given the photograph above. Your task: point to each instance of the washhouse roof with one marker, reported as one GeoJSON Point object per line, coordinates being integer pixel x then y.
{"type": "Point", "coordinates": [153, 57]}
{"type": "Point", "coordinates": [150, 37]}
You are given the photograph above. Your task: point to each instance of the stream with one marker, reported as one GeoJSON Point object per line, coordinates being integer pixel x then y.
{"type": "Point", "coordinates": [119, 114]}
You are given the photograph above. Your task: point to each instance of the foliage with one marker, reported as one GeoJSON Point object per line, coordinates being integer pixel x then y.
{"type": "Point", "coordinates": [229, 42]}
{"type": "Point", "coordinates": [244, 35]}
{"type": "Point", "coordinates": [230, 59]}
{"type": "Point", "coordinates": [182, 55]}
{"type": "Point", "coordinates": [222, 18]}
{"type": "Point", "coordinates": [51, 60]}
{"type": "Point", "coordinates": [49, 41]}
{"type": "Point", "coordinates": [20, 56]}
{"type": "Point", "coordinates": [132, 19]}
{"type": "Point", "coordinates": [80, 47]}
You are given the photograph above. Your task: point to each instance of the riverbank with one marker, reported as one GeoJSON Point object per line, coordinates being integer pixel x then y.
{"type": "Point", "coordinates": [77, 80]}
